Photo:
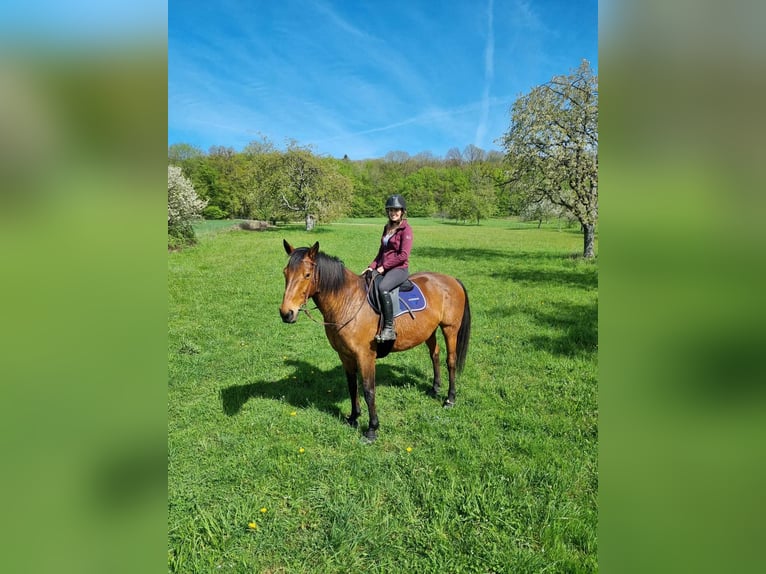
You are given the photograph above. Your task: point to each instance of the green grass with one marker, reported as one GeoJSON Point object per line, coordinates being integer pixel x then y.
{"type": "Point", "coordinates": [504, 482]}
{"type": "Point", "coordinates": [212, 226]}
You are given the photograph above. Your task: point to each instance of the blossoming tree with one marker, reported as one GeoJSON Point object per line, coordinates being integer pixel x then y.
{"type": "Point", "coordinates": [184, 205]}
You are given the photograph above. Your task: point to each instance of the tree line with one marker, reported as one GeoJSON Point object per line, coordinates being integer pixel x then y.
{"type": "Point", "coordinates": [263, 182]}
{"type": "Point", "coordinates": [549, 169]}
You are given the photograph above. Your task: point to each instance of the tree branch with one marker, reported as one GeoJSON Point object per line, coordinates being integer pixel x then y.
{"type": "Point", "coordinates": [287, 204]}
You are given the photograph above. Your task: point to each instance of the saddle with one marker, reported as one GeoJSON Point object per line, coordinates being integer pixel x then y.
{"type": "Point", "coordinates": [407, 298]}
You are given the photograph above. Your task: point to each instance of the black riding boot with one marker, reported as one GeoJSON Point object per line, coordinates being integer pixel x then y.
{"type": "Point", "coordinates": [387, 309]}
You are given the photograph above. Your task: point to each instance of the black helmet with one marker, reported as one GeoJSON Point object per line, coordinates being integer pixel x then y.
{"type": "Point", "coordinates": [396, 202]}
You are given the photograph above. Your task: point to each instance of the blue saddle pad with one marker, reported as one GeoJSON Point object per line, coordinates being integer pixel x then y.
{"type": "Point", "coordinates": [404, 301]}
{"type": "Point", "coordinates": [412, 300]}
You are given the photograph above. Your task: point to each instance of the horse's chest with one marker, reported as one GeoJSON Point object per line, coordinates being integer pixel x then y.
{"type": "Point", "coordinates": [352, 344]}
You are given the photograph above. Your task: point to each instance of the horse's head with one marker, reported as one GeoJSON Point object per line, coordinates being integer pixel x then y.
{"type": "Point", "coordinates": [300, 280]}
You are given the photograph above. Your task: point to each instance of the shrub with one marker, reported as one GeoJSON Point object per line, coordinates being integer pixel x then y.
{"type": "Point", "coordinates": [213, 212]}
{"type": "Point", "coordinates": [184, 206]}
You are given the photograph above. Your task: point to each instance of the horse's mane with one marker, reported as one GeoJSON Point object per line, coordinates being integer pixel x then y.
{"type": "Point", "coordinates": [329, 268]}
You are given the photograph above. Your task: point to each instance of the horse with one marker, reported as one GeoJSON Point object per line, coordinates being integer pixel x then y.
{"type": "Point", "coordinates": [351, 323]}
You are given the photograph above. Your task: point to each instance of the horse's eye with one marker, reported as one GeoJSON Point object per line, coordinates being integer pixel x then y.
{"type": "Point", "coordinates": [307, 275]}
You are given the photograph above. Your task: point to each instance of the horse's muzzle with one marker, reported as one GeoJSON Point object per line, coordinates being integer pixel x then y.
{"type": "Point", "coordinates": [288, 316]}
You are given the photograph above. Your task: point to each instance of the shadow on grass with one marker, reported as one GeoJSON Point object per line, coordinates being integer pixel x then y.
{"type": "Point", "coordinates": [583, 279]}
{"type": "Point", "coordinates": [309, 386]}
{"type": "Point", "coordinates": [521, 267]}
{"type": "Point", "coordinates": [551, 268]}
{"type": "Point", "coordinates": [514, 226]}
{"type": "Point", "coordinates": [461, 253]}
{"type": "Point", "coordinates": [577, 326]}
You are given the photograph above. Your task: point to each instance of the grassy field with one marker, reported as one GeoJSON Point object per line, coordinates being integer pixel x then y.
{"type": "Point", "coordinates": [263, 474]}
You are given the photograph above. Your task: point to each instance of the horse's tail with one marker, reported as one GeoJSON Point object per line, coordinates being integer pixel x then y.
{"type": "Point", "coordinates": [464, 334]}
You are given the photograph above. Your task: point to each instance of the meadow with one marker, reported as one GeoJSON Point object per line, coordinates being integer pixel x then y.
{"type": "Point", "coordinates": [265, 476]}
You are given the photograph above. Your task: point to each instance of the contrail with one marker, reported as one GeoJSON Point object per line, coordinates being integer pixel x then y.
{"type": "Point", "coordinates": [420, 118]}
{"type": "Point", "coordinates": [489, 71]}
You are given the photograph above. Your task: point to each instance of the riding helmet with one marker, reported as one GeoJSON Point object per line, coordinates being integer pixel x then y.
{"type": "Point", "coordinates": [396, 201]}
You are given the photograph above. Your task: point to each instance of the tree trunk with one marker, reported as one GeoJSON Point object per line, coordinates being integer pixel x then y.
{"type": "Point", "coordinates": [589, 236]}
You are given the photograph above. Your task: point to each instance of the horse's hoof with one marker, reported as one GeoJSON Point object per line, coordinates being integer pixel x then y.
{"type": "Point", "coordinates": [448, 404]}
{"type": "Point", "coordinates": [433, 393]}
{"type": "Point", "coordinates": [370, 436]}
{"type": "Point", "coordinates": [353, 423]}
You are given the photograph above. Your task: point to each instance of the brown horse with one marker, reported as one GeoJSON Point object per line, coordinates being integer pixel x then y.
{"type": "Point", "coordinates": [350, 323]}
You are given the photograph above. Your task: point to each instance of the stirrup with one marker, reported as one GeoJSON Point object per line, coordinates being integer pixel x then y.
{"type": "Point", "coordinates": [387, 334]}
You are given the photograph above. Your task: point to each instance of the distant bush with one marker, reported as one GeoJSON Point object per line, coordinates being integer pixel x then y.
{"type": "Point", "coordinates": [184, 206]}
{"type": "Point", "coordinates": [213, 212]}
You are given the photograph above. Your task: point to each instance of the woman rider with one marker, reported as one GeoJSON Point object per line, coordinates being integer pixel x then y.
{"type": "Point", "coordinates": [392, 261]}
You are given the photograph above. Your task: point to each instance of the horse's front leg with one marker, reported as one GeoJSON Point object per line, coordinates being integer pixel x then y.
{"type": "Point", "coordinates": [349, 365]}
{"type": "Point", "coordinates": [367, 369]}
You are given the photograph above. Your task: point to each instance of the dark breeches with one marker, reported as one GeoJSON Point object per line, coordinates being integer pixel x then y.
{"type": "Point", "coordinates": [392, 279]}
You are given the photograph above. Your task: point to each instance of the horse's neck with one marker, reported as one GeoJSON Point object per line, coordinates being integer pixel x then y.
{"type": "Point", "coordinates": [343, 304]}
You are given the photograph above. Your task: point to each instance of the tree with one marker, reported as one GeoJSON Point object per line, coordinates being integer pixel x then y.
{"type": "Point", "coordinates": [454, 156]}
{"type": "Point", "coordinates": [181, 152]}
{"type": "Point", "coordinates": [259, 147]}
{"type": "Point", "coordinates": [419, 190]}
{"type": "Point", "coordinates": [183, 207]}
{"type": "Point", "coordinates": [219, 179]}
{"type": "Point", "coordinates": [469, 193]}
{"type": "Point", "coordinates": [494, 157]}
{"type": "Point", "coordinates": [483, 201]}
{"type": "Point", "coordinates": [255, 184]}
{"type": "Point", "coordinates": [454, 201]}
{"type": "Point", "coordinates": [312, 187]}
{"type": "Point", "coordinates": [363, 176]}
{"type": "Point", "coordinates": [397, 156]}
{"type": "Point", "coordinates": [540, 211]}
{"type": "Point", "coordinates": [425, 158]}
{"type": "Point", "coordinates": [552, 147]}
{"type": "Point", "coordinates": [473, 154]}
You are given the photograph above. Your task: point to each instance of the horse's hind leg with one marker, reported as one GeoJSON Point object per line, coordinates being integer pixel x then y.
{"type": "Point", "coordinates": [433, 349]}
{"type": "Point", "coordinates": [450, 336]}
{"type": "Point", "coordinates": [349, 365]}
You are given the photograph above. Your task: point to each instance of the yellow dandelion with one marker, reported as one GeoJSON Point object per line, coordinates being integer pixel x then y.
{"type": "Point", "coordinates": [252, 526]}
{"type": "Point", "coordinates": [409, 449]}
{"type": "Point", "coordinates": [263, 510]}
{"type": "Point", "coordinates": [301, 450]}
{"type": "Point", "coordinates": [292, 414]}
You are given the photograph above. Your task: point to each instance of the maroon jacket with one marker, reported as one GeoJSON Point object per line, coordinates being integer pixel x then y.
{"type": "Point", "coordinates": [397, 252]}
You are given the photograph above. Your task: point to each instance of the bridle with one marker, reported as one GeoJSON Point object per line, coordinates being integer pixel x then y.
{"type": "Point", "coordinates": [315, 283]}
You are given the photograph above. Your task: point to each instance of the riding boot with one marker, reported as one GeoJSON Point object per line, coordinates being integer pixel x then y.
{"type": "Point", "coordinates": [387, 309]}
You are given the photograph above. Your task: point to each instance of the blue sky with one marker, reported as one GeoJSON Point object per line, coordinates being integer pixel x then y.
{"type": "Point", "coordinates": [364, 77]}
{"type": "Point", "coordinates": [80, 22]}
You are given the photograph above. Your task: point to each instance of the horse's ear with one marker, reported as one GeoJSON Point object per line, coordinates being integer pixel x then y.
{"type": "Point", "coordinates": [288, 247]}
{"type": "Point", "coordinates": [314, 250]}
